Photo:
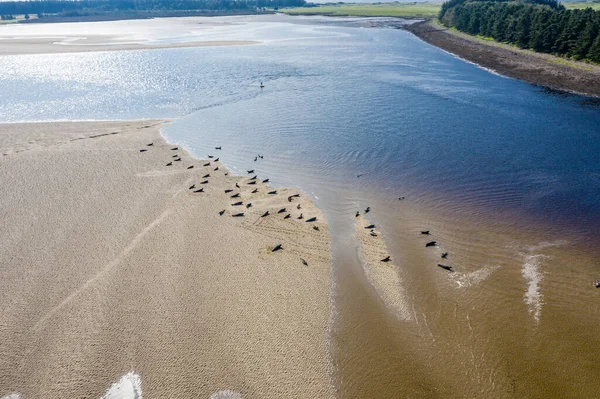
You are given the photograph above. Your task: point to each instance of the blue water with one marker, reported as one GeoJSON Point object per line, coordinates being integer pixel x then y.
{"type": "Point", "coordinates": [340, 101]}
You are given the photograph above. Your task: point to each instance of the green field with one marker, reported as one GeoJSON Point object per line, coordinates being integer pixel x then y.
{"type": "Point", "coordinates": [582, 4]}
{"type": "Point", "coordinates": [407, 10]}
{"type": "Point", "coordinates": [18, 18]}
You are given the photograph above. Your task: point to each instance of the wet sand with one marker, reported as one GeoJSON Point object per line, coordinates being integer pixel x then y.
{"type": "Point", "coordinates": [537, 68]}
{"type": "Point", "coordinates": [110, 264]}
{"type": "Point", "coordinates": [67, 44]}
{"type": "Point", "coordinates": [515, 318]}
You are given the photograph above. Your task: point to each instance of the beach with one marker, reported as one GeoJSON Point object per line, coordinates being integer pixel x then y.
{"type": "Point", "coordinates": [18, 46]}
{"type": "Point", "coordinates": [110, 264]}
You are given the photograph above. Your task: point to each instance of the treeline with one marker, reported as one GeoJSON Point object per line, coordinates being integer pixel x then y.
{"type": "Point", "coordinates": [542, 25]}
{"type": "Point", "coordinates": [46, 7]}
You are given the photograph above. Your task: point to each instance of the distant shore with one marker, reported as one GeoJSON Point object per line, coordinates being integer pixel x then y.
{"type": "Point", "coordinates": [111, 36]}
{"type": "Point", "coordinates": [537, 68]}
{"type": "Point", "coordinates": [139, 15]}
{"type": "Point", "coordinates": [49, 45]}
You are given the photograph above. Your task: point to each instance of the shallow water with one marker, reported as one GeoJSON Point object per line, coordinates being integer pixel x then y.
{"type": "Point", "coordinates": [505, 174]}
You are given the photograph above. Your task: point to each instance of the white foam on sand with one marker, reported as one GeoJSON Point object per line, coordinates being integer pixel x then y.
{"type": "Point", "coordinates": [464, 280]}
{"type": "Point", "coordinates": [533, 275]}
{"type": "Point", "coordinates": [547, 244]}
{"type": "Point", "coordinates": [128, 387]}
{"type": "Point", "coordinates": [227, 394]}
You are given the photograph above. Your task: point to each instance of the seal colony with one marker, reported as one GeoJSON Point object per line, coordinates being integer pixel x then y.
{"type": "Point", "coordinates": [113, 263]}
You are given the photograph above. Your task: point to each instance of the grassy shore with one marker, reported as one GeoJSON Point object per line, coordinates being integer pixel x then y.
{"type": "Point", "coordinates": [18, 18]}
{"type": "Point", "coordinates": [406, 10]}
{"type": "Point", "coordinates": [538, 68]}
{"type": "Point", "coordinates": [582, 4]}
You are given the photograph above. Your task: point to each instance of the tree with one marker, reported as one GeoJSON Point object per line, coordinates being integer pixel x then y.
{"type": "Point", "coordinates": [594, 53]}
{"type": "Point", "coordinates": [544, 25]}
{"type": "Point", "coordinates": [585, 40]}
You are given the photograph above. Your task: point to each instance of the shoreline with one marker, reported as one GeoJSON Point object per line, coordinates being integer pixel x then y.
{"type": "Point", "coordinates": [118, 35]}
{"type": "Point", "coordinates": [10, 47]}
{"type": "Point", "coordinates": [540, 69]}
{"type": "Point", "coordinates": [141, 274]}
{"type": "Point", "coordinates": [140, 15]}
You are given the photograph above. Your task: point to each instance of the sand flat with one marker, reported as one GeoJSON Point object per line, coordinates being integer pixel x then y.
{"type": "Point", "coordinates": [19, 46]}
{"type": "Point", "coordinates": [110, 264]}
{"type": "Point", "coordinates": [141, 34]}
